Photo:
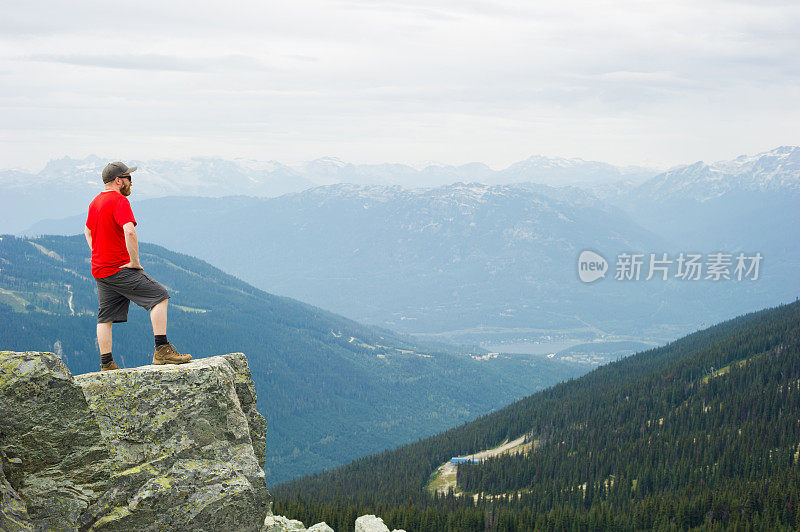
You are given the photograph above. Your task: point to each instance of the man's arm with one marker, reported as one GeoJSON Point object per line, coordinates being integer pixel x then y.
{"type": "Point", "coordinates": [132, 243]}
{"type": "Point", "coordinates": [88, 233]}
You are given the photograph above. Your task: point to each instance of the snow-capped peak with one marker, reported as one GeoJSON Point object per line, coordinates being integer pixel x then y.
{"type": "Point", "coordinates": [774, 170]}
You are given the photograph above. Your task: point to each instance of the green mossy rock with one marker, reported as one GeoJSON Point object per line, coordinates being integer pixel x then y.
{"type": "Point", "coordinates": [13, 512]}
{"type": "Point", "coordinates": [49, 435]}
{"type": "Point", "coordinates": [181, 446]}
{"type": "Point", "coordinates": [246, 391]}
{"type": "Point", "coordinates": [152, 448]}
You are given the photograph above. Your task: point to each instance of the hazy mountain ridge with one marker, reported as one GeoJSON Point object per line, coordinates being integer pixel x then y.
{"type": "Point", "coordinates": [751, 203]}
{"type": "Point", "coordinates": [424, 260]}
{"type": "Point", "coordinates": [217, 177]}
{"type": "Point", "coordinates": [66, 183]}
{"type": "Point", "coordinates": [572, 171]}
{"type": "Point", "coordinates": [473, 257]}
{"type": "Point", "coordinates": [205, 176]}
{"type": "Point", "coordinates": [775, 170]}
{"type": "Point", "coordinates": [466, 194]}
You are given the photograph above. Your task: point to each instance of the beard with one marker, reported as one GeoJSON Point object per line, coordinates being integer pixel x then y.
{"type": "Point", "coordinates": [125, 190]}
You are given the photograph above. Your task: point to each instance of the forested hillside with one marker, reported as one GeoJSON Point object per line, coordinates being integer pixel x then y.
{"type": "Point", "coordinates": [702, 431]}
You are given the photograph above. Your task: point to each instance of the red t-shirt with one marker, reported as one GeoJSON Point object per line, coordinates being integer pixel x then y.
{"type": "Point", "coordinates": [108, 212]}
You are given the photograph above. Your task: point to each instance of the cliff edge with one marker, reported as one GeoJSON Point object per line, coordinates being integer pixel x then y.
{"type": "Point", "coordinates": [150, 448]}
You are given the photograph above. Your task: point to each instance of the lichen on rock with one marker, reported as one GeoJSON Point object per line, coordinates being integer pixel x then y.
{"type": "Point", "coordinates": [50, 437]}
{"type": "Point", "coordinates": [151, 448]}
{"type": "Point", "coordinates": [181, 447]}
{"type": "Point", "coordinates": [13, 511]}
{"type": "Point", "coordinates": [246, 391]}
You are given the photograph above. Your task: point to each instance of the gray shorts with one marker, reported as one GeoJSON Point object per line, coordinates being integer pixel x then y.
{"type": "Point", "coordinates": [115, 292]}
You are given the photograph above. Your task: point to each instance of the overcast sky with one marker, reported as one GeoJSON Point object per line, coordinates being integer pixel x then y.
{"type": "Point", "coordinates": [644, 82]}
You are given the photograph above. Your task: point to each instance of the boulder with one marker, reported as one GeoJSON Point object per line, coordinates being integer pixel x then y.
{"type": "Point", "coordinates": [278, 523]}
{"type": "Point", "coordinates": [246, 392]}
{"type": "Point", "coordinates": [51, 440]}
{"type": "Point", "coordinates": [320, 527]}
{"type": "Point", "coordinates": [181, 447]}
{"type": "Point", "coordinates": [371, 523]}
{"type": "Point", "coordinates": [152, 448]}
{"type": "Point", "coordinates": [13, 512]}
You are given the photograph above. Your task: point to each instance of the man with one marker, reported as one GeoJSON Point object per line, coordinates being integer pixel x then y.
{"type": "Point", "coordinates": [111, 234]}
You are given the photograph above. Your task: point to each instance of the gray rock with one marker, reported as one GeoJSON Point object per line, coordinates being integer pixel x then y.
{"type": "Point", "coordinates": [50, 438]}
{"type": "Point", "coordinates": [320, 527]}
{"type": "Point", "coordinates": [279, 523]}
{"type": "Point", "coordinates": [246, 391]}
{"type": "Point", "coordinates": [181, 447]}
{"type": "Point", "coordinates": [13, 512]}
{"type": "Point", "coordinates": [151, 448]}
{"type": "Point", "coordinates": [370, 523]}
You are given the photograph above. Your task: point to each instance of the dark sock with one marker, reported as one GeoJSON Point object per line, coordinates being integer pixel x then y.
{"type": "Point", "coordinates": [161, 339]}
{"type": "Point", "coordinates": [105, 358]}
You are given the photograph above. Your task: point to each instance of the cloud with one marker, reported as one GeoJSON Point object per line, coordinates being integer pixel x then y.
{"type": "Point", "coordinates": [305, 58]}
{"type": "Point", "coordinates": [650, 82]}
{"type": "Point", "coordinates": [152, 62]}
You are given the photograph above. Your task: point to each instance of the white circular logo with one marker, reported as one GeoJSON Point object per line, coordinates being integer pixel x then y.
{"type": "Point", "coordinates": [591, 266]}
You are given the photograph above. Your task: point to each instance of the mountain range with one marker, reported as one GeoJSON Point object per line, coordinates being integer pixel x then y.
{"type": "Point", "coordinates": [456, 257]}
{"type": "Point", "coordinates": [478, 262]}
{"type": "Point", "coordinates": [750, 203]}
{"type": "Point", "coordinates": [64, 184]}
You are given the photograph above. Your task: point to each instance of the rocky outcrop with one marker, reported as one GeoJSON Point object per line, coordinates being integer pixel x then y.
{"type": "Point", "coordinates": [181, 447]}
{"type": "Point", "coordinates": [365, 523]}
{"type": "Point", "coordinates": [13, 512]}
{"type": "Point", "coordinates": [149, 448]}
{"type": "Point", "coordinates": [246, 392]}
{"type": "Point", "coordinates": [371, 523]}
{"type": "Point", "coordinates": [56, 458]}
{"type": "Point", "coordinates": [278, 523]}
{"type": "Point", "coordinates": [320, 527]}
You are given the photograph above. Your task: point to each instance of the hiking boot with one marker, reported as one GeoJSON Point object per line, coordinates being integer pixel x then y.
{"type": "Point", "coordinates": [167, 354]}
{"type": "Point", "coordinates": [108, 367]}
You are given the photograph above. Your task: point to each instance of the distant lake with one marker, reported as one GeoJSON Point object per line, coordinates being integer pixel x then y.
{"type": "Point", "coordinates": [532, 348]}
{"type": "Point", "coordinates": [614, 348]}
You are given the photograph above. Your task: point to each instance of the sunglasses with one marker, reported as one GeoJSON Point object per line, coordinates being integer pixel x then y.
{"type": "Point", "coordinates": [126, 177]}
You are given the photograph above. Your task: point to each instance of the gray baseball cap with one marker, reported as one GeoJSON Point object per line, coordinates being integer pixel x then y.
{"type": "Point", "coordinates": [115, 170]}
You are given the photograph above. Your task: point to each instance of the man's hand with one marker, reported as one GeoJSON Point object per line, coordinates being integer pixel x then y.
{"type": "Point", "coordinates": [132, 243]}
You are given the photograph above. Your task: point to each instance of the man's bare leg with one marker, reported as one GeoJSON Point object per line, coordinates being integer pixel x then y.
{"type": "Point", "coordinates": [104, 337]}
{"type": "Point", "coordinates": [165, 352]}
{"type": "Point", "coordinates": [158, 317]}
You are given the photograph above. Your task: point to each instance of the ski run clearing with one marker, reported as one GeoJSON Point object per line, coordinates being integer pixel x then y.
{"type": "Point", "coordinates": [444, 478]}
